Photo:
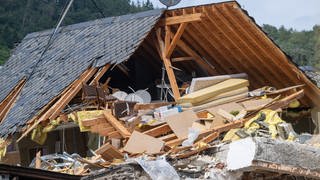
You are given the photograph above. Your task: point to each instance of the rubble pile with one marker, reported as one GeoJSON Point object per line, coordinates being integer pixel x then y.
{"type": "Point", "coordinates": [162, 136]}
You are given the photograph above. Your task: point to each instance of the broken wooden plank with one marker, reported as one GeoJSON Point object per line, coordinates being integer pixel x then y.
{"type": "Point", "coordinates": [116, 124]}
{"type": "Point", "coordinates": [284, 102]}
{"type": "Point", "coordinates": [209, 138]}
{"type": "Point", "coordinates": [108, 152]}
{"type": "Point", "coordinates": [168, 137]}
{"type": "Point", "coordinates": [114, 134]}
{"type": "Point", "coordinates": [158, 131]}
{"type": "Point", "coordinates": [99, 74]}
{"type": "Point", "coordinates": [59, 102]}
{"type": "Point", "coordinates": [191, 153]}
{"type": "Point", "coordinates": [55, 110]}
{"type": "Point", "coordinates": [142, 143]}
{"type": "Point", "coordinates": [179, 59]}
{"type": "Point", "coordinates": [9, 101]}
{"type": "Point", "coordinates": [94, 121]}
{"type": "Point", "coordinates": [151, 105]}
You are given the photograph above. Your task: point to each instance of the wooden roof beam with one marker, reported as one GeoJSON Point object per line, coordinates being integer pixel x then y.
{"type": "Point", "coordinates": [203, 64]}
{"type": "Point", "coordinates": [242, 46]}
{"type": "Point", "coordinates": [205, 50]}
{"type": "Point", "coordinates": [275, 52]}
{"type": "Point", "coordinates": [179, 59]}
{"type": "Point", "coordinates": [244, 38]}
{"type": "Point", "coordinates": [167, 64]}
{"type": "Point", "coordinates": [64, 98]}
{"type": "Point", "coordinates": [212, 42]}
{"type": "Point", "coordinates": [175, 39]}
{"type": "Point", "coordinates": [167, 21]}
{"type": "Point", "coordinates": [9, 101]}
{"type": "Point", "coordinates": [99, 74]}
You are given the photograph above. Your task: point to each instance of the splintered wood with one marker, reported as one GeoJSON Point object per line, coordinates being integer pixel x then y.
{"type": "Point", "coordinates": [102, 123]}
{"type": "Point", "coordinates": [168, 138]}
{"type": "Point", "coordinates": [108, 152]}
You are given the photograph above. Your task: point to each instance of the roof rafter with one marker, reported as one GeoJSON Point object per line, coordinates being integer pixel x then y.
{"type": "Point", "coordinates": [167, 21]}
{"type": "Point", "coordinates": [175, 39]}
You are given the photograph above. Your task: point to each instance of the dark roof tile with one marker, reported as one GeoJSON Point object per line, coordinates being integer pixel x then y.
{"type": "Point", "coordinates": [74, 49]}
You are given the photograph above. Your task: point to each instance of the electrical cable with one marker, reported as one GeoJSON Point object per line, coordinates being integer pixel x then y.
{"type": "Point", "coordinates": [97, 7]}
{"type": "Point", "coordinates": [61, 18]}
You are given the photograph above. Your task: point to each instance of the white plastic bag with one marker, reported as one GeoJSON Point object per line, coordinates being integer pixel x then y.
{"type": "Point", "coordinates": [192, 136]}
{"type": "Point", "coordinates": [159, 169]}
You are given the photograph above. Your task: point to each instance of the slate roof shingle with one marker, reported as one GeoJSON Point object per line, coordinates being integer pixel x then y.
{"type": "Point", "coordinates": [76, 47]}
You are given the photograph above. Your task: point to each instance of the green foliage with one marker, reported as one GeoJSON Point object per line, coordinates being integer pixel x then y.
{"type": "Point", "coordinates": [316, 30]}
{"type": "Point", "coordinates": [4, 54]}
{"type": "Point", "coordinates": [300, 45]}
{"type": "Point", "coordinates": [20, 17]}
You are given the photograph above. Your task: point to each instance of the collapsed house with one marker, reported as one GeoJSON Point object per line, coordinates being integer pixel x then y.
{"type": "Point", "coordinates": [81, 95]}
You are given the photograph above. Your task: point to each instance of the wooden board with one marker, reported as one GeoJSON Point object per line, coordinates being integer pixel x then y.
{"type": "Point", "coordinates": [157, 131]}
{"type": "Point", "coordinates": [203, 82]}
{"type": "Point", "coordinates": [142, 143]}
{"type": "Point", "coordinates": [181, 19]}
{"type": "Point", "coordinates": [94, 121]}
{"type": "Point", "coordinates": [212, 91]}
{"type": "Point", "coordinates": [108, 152]}
{"type": "Point", "coordinates": [116, 124]}
{"type": "Point", "coordinates": [180, 123]}
{"type": "Point", "coordinates": [224, 95]}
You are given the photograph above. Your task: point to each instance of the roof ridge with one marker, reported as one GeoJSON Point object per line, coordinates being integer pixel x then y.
{"type": "Point", "coordinates": [107, 20]}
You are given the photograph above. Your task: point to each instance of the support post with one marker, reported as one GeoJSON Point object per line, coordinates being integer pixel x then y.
{"type": "Point", "coordinates": [167, 63]}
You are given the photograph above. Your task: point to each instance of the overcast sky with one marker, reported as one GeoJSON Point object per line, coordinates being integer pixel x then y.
{"type": "Point", "coordinates": [298, 14]}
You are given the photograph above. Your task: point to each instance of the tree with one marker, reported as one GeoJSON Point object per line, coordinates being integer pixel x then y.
{"type": "Point", "coordinates": [20, 17]}
{"type": "Point", "coordinates": [316, 30]}
{"type": "Point", "coordinates": [298, 44]}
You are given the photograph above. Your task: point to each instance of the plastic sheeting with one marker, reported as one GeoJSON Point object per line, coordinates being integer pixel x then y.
{"type": "Point", "coordinates": [159, 169]}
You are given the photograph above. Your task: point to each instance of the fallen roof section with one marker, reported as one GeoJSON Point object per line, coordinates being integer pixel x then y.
{"type": "Point", "coordinates": [75, 48]}
{"type": "Point", "coordinates": [199, 33]}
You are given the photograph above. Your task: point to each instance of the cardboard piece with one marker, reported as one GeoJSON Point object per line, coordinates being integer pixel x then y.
{"type": "Point", "coordinates": [142, 143]}
{"type": "Point", "coordinates": [226, 107]}
{"type": "Point", "coordinates": [220, 120]}
{"type": "Point", "coordinates": [253, 105]}
{"type": "Point", "coordinates": [220, 102]}
{"type": "Point", "coordinates": [180, 123]}
{"type": "Point", "coordinates": [199, 126]}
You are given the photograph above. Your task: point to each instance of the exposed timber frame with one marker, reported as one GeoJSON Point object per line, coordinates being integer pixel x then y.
{"type": "Point", "coordinates": [171, 41]}
{"type": "Point", "coordinates": [53, 109]}
{"type": "Point", "coordinates": [9, 101]}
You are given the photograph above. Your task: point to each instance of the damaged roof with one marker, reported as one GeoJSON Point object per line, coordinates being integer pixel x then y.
{"type": "Point", "coordinates": [75, 48]}
{"type": "Point", "coordinates": [229, 40]}
{"type": "Point", "coordinates": [226, 38]}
